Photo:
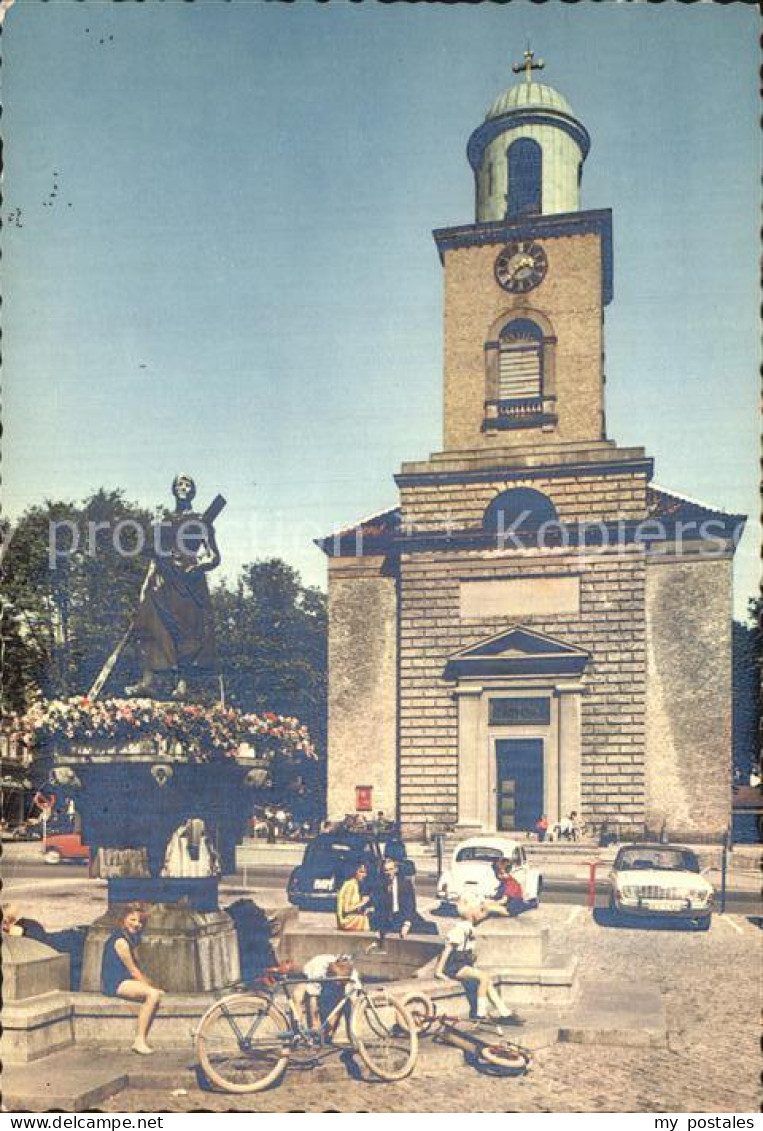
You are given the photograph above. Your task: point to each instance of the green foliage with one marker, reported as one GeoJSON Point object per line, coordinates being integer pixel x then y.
{"type": "Point", "coordinates": [747, 668]}
{"type": "Point", "coordinates": [272, 644]}
{"type": "Point", "coordinates": [60, 621]}
{"type": "Point", "coordinates": [62, 614]}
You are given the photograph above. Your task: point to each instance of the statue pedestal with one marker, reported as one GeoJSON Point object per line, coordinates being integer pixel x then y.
{"type": "Point", "coordinates": [505, 942]}
{"type": "Point", "coordinates": [516, 953]}
{"type": "Point", "coordinates": [182, 950]}
{"type": "Point", "coordinates": [37, 1009]}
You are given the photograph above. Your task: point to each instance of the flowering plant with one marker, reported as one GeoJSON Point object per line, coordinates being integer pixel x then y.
{"type": "Point", "coordinates": [204, 733]}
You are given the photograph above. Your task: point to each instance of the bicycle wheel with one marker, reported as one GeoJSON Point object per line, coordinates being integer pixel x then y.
{"type": "Point", "coordinates": [507, 1060]}
{"type": "Point", "coordinates": [422, 1010]}
{"type": "Point", "coordinates": [384, 1035]}
{"type": "Point", "coordinates": [243, 1043]}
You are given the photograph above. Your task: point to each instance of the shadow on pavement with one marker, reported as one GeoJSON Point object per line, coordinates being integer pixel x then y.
{"type": "Point", "coordinates": [604, 917]}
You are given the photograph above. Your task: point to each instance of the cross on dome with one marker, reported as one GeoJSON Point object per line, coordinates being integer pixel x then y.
{"type": "Point", "coordinates": [528, 66]}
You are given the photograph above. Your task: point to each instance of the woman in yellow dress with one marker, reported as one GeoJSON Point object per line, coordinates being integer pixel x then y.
{"type": "Point", "coordinates": [352, 906]}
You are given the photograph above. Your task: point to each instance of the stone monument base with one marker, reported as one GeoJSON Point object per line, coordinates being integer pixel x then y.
{"type": "Point", "coordinates": [183, 951]}
{"type": "Point", "coordinates": [507, 943]}
{"type": "Point", "coordinates": [37, 1010]}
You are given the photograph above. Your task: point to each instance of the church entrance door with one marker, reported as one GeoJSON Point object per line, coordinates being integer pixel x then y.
{"type": "Point", "coordinates": [519, 783]}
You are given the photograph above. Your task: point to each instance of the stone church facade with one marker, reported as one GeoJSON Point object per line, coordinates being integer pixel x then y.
{"type": "Point", "coordinates": [537, 628]}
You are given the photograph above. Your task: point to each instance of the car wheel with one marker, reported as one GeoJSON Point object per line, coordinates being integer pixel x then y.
{"type": "Point", "coordinates": [539, 892]}
{"type": "Point", "coordinates": [52, 856]}
{"type": "Point", "coordinates": [614, 914]}
{"type": "Point", "coordinates": [703, 924]}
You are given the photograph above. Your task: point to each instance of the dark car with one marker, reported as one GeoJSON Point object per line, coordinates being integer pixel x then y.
{"type": "Point", "coordinates": [331, 858]}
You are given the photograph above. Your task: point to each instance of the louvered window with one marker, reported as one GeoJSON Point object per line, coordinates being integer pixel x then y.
{"type": "Point", "coordinates": [520, 368]}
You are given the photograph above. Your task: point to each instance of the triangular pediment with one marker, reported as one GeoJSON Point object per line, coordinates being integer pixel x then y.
{"type": "Point", "coordinates": [517, 651]}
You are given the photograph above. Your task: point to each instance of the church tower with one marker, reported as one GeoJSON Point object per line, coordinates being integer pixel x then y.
{"type": "Point", "coordinates": [531, 631]}
{"type": "Point", "coordinates": [526, 284]}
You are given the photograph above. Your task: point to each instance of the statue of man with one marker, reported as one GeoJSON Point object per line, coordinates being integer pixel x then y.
{"type": "Point", "coordinates": [173, 625]}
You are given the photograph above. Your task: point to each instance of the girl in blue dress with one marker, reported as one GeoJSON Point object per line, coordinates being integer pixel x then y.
{"type": "Point", "coordinates": [122, 977]}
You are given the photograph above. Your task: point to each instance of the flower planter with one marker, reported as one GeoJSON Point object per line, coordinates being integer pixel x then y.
{"type": "Point", "coordinates": [124, 803]}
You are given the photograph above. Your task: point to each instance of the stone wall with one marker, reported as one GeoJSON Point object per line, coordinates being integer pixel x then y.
{"type": "Point", "coordinates": [585, 497]}
{"type": "Point", "coordinates": [689, 616]}
{"type": "Point", "coordinates": [362, 736]}
{"type": "Point", "coordinates": [569, 297]}
{"type": "Point", "coordinates": [610, 624]}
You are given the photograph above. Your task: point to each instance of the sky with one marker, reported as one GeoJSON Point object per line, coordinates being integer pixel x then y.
{"type": "Point", "coordinates": [223, 261]}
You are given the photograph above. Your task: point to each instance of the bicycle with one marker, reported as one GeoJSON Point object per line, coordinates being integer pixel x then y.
{"type": "Point", "coordinates": [246, 1041]}
{"type": "Point", "coordinates": [487, 1050]}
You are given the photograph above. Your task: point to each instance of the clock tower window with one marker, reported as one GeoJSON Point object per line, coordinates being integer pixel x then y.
{"type": "Point", "coordinates": [520, 361]}
{"type": "Point", "coordinates": [525, 160]}
{"type": "Point", "coordinates": [519, 389]}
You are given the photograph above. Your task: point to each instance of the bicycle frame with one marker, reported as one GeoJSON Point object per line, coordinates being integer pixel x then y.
{"type": "Point", "coordinates": [271, 1029]}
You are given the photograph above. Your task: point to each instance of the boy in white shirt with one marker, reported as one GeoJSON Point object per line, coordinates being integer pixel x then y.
{"type": "Point", "coordinates": [330, 978]}
{"type": "Point", "coordinates": [458, 960]}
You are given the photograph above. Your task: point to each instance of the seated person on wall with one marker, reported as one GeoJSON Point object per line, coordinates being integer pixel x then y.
{"type": "Point", "coordinates": [509, 899]}
{"type": "Point", "coordinates": [330, 978]}
{"type": "Point", "coordinates": [352, 905]}
{"type": "Point", "coordinates": [15, 924]}
{"type": "Point", "coordinates": [459, 960]}
{"type": "Point", "coordinates": [122, 977]}
{"type": "Point", "coordinates": [569, 828]}
{"type": "Point", "coordinates": [395, 901]}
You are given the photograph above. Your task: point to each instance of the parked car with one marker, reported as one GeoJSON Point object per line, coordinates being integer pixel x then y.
{"type": "Point", "coordinates": [471, 870]}
{"type": "Point", "coordinates": [662, 880]}
{"type": "Point", "coordinates": [330, 859]}
{"type": "Point", "coordinates": [25, 831]}
{"type": "Point", "coordinates": [68, 847]}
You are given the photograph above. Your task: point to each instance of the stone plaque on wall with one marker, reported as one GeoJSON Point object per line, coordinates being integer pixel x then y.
{"type": "Point", "coordinates": [519, 597]}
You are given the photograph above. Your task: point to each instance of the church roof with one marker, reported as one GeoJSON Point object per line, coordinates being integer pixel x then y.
{"type": "Point", "coordinates": [376, 529]}
{"type": "Point", "coordinates": [667, 505]}
{"type": "Point", "coordinates": [525, 95]}
{"type": "Point", "coordinates": [378, 532]}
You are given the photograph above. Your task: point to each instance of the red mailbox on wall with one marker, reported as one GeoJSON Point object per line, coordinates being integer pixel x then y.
{"type": "Point", "coordinates": [363, 798]}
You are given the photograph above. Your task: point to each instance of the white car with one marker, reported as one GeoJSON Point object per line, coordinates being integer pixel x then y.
{"type": "Point", "coordinates": [660, 880]}
{"type": "Point", "coordinates": [471, 870]}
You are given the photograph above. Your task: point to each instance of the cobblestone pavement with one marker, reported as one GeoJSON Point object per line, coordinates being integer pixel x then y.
{"type": "Point", "coordinates": [711, 984]}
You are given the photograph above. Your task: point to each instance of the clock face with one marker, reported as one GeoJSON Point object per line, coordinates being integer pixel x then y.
{"type": "Point", "coordinates": [521, 266]}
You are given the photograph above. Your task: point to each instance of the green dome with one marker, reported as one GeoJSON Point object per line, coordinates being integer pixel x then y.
{"type": "Point", "coordinates": [526, 95]}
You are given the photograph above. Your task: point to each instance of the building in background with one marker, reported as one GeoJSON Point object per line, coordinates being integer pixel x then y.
{"type": "Point", "coordinates": [537, 628]}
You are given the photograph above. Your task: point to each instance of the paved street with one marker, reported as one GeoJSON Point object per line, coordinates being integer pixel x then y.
{"type": "Point", "coordinates": [712, 994]}
{"type": "Point", "coordinates": [22, 864]}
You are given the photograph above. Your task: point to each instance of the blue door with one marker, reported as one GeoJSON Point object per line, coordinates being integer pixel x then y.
{"type": "Point", "coordinates": [519, 778]}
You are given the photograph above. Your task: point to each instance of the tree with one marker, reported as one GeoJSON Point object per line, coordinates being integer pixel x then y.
{"type": "Point", "coordinates": [69, 586]}
{"type": "Point", "coordinates": [747, 668]}
{"type": "Point", "coordinates": [272, 644]}
{"type": "Point", "coordinates": [71, 580]}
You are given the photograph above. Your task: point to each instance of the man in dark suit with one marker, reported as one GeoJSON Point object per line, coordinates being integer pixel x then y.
{"type": "Point", "coordinates": [396, 902]}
